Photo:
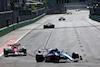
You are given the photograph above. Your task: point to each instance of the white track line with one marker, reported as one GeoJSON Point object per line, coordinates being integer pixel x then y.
{"type": "Point", "coordinates": [23, 36]}
{"type": "Point", "coordinates": [1, 54]}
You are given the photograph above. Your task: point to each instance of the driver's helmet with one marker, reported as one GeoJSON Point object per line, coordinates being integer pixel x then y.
{"type": "Point", "coordinates": [14, 47]}
{"type": "Point", "coordinates": [56, 49]}
{"type": "Point", "coordinates": [39, 51]}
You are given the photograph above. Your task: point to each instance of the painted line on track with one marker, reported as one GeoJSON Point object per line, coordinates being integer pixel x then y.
{"type": "Point", "coordinates": [23, 36]}
{"type": "Point", "coordinates": [28, 32]}
{"type": "Point", "coordinates": [1, 54]}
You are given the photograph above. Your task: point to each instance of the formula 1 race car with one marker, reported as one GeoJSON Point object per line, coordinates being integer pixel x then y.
{"type": "Point", "coordinates": [56, 56]}
{"type": "Point", "coordinates": [69, 13]}
{"type": "Point", "coordinates": [49, 25]}
{"type": "Point", "coordinates": [15, 49]}
{"type": "Point", "coordinates": [77, 10]}
{"type": "Point", "coordinates": [61, 18]}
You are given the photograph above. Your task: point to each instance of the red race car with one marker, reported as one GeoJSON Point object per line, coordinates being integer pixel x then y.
{"type": "Point", "coordinates": [15, 49]}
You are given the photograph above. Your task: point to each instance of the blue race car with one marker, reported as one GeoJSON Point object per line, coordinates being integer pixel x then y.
{"type": "Point", "coordinates": [61, 18]}
{"type": "Point", "coordinates": [56, 56]}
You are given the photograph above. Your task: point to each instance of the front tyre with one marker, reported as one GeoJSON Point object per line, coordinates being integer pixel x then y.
{"type": "Point", "coordinates": [25, 52]}
{"type": "Point", "coordinates": [39, 58]}
{"type": "Point", "coordinates": [5, 53]}
{"type": "Point", "coordinates": [75, 55]}
{"type": "Point", "coordinates": [53, 26]}
{"type": "Point", "coordinates": [44, 26]}
{"type": "Point", "coordinates": [59, 19]}
{"type": "Point", "coordinates": [56, 59]}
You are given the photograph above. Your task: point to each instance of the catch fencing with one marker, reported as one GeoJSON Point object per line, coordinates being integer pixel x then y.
{"type": "Point", "coordinates": [10, 17]}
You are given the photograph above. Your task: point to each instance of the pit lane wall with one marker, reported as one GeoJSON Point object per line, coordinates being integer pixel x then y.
{"type": "Point", "coordinates": [18, 25]}
{"type": "Point", "coordinates": [95, 17]}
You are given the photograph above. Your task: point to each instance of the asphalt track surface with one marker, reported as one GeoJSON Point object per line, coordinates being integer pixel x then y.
{"type": "Point", "coordinates": [77, 33]}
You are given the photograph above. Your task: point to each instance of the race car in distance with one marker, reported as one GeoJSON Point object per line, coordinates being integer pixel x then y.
{"type": "Point", "coordinates": [49, 25]}
{"type": "Point", "coordinates": [69, 13]}
{"type": "Point", "coordinates": [15, 49]}
{"type": "Point", "coordinates": [53, 55]}
{"type": "Point", "coordinates": [77, 10]}
{"type": "Point", "coordinates": [61, 18]}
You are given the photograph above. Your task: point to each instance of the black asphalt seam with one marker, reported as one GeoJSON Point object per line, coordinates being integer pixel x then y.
{"type": "Point", "coordinates": [42, 45]}
{"type": "Point", "coordinates": [48, 39]}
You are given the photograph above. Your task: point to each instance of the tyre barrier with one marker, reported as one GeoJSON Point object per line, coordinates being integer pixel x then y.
{"type": "Point", "coordinates": [15, 26]}
{"type": "Point", "coordinates": [95, 17]}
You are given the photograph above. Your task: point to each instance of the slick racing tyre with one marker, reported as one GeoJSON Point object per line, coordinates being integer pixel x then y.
{"type": "Point", "coordinates": [39, 58]}
{"type": "Point", "coordinates": [44, 26]}
{"type": "Point", "coordinates": [59, 19]}
{"type": "Point", "coordinates": [53, 26]}
{"type": "Point", "coordinates": [5, 53]}
{"type": "Point", "coordinates": [56, 59]}
{"type": "Point", "coordinates": [25, 52]}
{"type": "Point", "coordinates": [75, 55]}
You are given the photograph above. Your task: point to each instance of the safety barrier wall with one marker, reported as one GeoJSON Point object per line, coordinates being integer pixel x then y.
{"type": "Point", "coordinates": [95, 11]}
{"type": "Point", "coordinates": [95, 17]}
{"type": "Point", "coordinates": [18, 25]}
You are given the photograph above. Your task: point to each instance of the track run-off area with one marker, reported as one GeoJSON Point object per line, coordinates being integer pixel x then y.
{"type": "Point", "coordinates": [78, 33]}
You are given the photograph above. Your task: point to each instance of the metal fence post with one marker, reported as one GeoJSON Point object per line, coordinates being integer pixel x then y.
{"type": "Point", "coordinates": [7, 23]}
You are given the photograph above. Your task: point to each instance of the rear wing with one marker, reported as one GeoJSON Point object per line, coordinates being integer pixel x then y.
{"type": "Point", "coordinates": [13, 44]}
{"type": "Point", "coordinates": [45, 50]}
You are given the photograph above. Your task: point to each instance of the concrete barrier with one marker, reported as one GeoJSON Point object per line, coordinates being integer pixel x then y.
{"type": "Point", "coordinates": [15, 26]}
{"type": "Point", "coordinates": [95, 17]}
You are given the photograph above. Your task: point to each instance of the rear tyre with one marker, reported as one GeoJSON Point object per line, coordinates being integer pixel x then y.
{"type": "Point", "coordinates": [25, 52]}
{"type": "Point", "coordinates": [5, 53]}
{"type": "Point", "coordinates": [44, 26]}
{"type": "Point", "coordinates": [53, 26]}
{"type": "Point", "coordinates": [39, 58]}
{"type": "Point", "coordinates": [56, 60]}
{"type": "Point", "coordinates": [59, 19]}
